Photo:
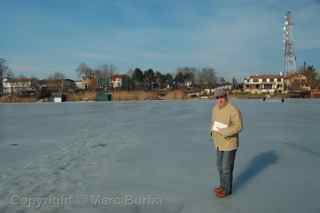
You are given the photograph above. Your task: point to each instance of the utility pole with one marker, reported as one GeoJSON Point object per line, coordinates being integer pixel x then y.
{"type": "Point", "coordinates": [288, 50]}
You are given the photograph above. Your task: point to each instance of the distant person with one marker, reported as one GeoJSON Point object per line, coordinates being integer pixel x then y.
{"type": "Point", "coordinates": [226, 125]}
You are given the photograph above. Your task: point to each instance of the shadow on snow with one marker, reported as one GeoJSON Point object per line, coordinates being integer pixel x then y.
{"type": "Point", "coordinates": [259, 163]}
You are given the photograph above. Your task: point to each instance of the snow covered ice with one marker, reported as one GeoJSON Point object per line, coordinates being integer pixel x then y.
{"type": "Point", "coordinates": [98, 154]}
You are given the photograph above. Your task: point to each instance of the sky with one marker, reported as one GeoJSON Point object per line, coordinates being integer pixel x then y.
{"type": "Point", "coordinates": [237, 38]}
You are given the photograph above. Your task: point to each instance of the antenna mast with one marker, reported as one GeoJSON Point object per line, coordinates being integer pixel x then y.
{"type": "Point", "coordinates": [289, 53]}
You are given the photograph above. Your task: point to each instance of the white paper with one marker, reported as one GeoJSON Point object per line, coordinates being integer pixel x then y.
{"type": "Point", "coordinates": [219, 125]}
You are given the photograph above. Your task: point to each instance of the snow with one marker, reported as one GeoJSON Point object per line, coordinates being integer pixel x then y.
{"type": "Point", "coordinates": [98, 155]}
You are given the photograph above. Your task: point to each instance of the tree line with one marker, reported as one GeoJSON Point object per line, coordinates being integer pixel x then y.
{"type": "Point", "coordinates": [137, 78]}
{"type": "Point", "coordinates": [151, 79]}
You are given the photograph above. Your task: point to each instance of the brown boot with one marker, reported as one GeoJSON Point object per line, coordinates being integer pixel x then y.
{"type": "Point", "coordinates": [218, 189]}
{"type": "Point", "coordinates": [221, 194]}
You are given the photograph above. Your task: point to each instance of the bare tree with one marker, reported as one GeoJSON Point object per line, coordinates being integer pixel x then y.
{"type": "Point", "coordinates": [130, 72]}
{"type": "Point", "coordinates": [184, 75]}
{"type": "Point", "coordinates": [208, 77]}
{"type": "Point", "coordinates": [3, 68]}
{"type": "Point", "coordinates": [84, 71]}
{"type": "Point", "coordinates": [235, 83]}
{"type": "Point", "coordinates": [105, 71]}
{"type": "Point", "coordinates": [10, 75]}
{"type": "Point", "coordinates": [103, 75]}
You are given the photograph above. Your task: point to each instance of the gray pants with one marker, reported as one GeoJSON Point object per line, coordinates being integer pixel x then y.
{"type": "Point", "coordinates": [225, 164]}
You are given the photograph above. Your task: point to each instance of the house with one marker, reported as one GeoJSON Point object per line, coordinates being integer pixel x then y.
{"type": "Point", "coordinates": [258, 84]}
{"type": "Point", "coordinates": [56, 86]}
{"type": "Point", "coordinates": [80, 85]}
{"type": "Point", "coordinates": [20, 87]}
{"type": "Point", "coordinates": [86, 84]}
{"type": "Point", "coordinates": [69, 85]}
{"type": "Point", "coordinates": [116, 81]}
{"type": "Point", "coordinates": [51, 86]}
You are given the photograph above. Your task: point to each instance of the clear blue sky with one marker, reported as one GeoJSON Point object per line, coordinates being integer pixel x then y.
{"type": "Point", "coordinates": [237, 38]}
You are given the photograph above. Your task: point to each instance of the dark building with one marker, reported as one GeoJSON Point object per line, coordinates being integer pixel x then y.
{"type": "Point", "coordinates": [52, 87]}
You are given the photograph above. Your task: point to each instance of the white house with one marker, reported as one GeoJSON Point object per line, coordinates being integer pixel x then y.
{"type": "Point", "coordinates": [80, 85]}
{"type": "Point", "coordinates": [116, 81]}
{"type": "Point", "coordinates": [257, 84]}
{"type": "Point", "coordinates": [23, 86]}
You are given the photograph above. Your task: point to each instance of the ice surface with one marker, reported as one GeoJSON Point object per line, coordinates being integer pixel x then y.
{"type": "Point", "coordinates": [90, 151]}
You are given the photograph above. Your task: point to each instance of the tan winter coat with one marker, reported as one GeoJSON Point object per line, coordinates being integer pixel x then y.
{"type": "Point", "coordinates": [228, 139]}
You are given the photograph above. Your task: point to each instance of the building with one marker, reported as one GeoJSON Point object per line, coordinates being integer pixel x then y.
{"type": "Point", "coordinates": [87, 84]}
{"type": "Point", "coordinates": [80, 85]}
{"type": "Point", "coordinates": [116, 81]}
{"type": "Point", "coordinates": [188, 83]}
{"type": "Point", "coordinates": [69, 85]}
{"type": "Point", "coordinates": [20, 87]}
{"type": "Point", "coordinates": [51, 86]}
{"type": "Point", "coordinates": [269, 84]}
{"type": "Point", "coordinates": [56, 86]}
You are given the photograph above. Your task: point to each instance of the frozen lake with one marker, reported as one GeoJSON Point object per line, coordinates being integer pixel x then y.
{"type": "Point", "coordinates": [101, 156]}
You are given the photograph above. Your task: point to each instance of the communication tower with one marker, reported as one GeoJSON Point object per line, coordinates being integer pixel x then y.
{"type": "Point", "coordinates": [288, 50]}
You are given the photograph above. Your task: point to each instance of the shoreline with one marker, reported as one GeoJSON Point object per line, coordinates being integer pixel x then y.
{"type": "Point", "coordinates": [157, 100]}
{"type": "Point", "coordinates": [144, 96]}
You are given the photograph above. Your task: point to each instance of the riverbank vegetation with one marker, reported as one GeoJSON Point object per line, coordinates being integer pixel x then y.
{"type": "Point", "coordinates": [106, 82]}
